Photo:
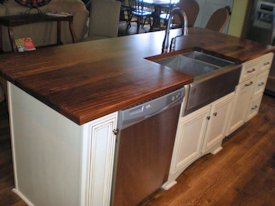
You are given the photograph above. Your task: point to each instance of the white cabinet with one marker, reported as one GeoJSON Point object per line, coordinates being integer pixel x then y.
{"type": "Point", "coordinates": [240, 105]}
{"type": "Point", "coordinates": [249, 92]}
{"type": "Point", "coordinates": [98, 159]}
{"type": "Point", "coordinates": [199, 133]}
{"type": "Point", "coordinates": [218, 118]}
{"type": "Point", "coordinates": [188, 143]}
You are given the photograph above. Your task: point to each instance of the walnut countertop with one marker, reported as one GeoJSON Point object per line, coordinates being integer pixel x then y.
{"type": "Point", "coordinates": [88, 80]}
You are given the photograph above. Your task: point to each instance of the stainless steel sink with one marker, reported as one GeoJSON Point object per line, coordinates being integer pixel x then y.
{"type": "Point", "coordinates": [214, 77]}
{"type": "Point", "coordinates": [207, 58]}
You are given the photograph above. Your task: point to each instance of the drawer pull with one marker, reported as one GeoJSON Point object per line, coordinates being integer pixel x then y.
{"type": "Point", "coordinates": [208, 117]}
{"type": "Point", "coordinates": [250, 83]}
{"type": "Point", "coordinates": [255, 107]}
{"type": "Point", "coordinates": [266, 63]}
{"type": "Point", "coordinates": [261, 84]}
{"type": "Point", "coordinates": [215, 114]}
{"type": "Point", "coordinates": [252, 70]}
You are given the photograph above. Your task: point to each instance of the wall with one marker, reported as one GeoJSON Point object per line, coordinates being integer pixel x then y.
{"type": "Point", "coordinates": [237, 17]}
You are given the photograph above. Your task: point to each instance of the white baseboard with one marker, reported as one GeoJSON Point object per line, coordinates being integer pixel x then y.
{"type": "Point", "coordinates": [168, 185]}
{"type": "Point", "coordinates": [216, 150]}
{"type": "Point", "coordinates": [23, 197]}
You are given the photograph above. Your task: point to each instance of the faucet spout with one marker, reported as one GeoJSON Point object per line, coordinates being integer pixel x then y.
{"type": "Point", "coordinates": [184, 24]}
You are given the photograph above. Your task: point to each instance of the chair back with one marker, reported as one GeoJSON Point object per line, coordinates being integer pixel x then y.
{"type": "Point", "coordinates": [137, 5]}
{"type": "Point", "coordinates": [218, 19]}
{"type": "Point", "coordinates": [104, 18]}
{"type": "Point", "coordinates": [191, 8]}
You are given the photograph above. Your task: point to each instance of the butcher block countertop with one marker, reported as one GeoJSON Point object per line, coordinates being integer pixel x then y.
{"type": "Point", "coordinates": [88, 80]}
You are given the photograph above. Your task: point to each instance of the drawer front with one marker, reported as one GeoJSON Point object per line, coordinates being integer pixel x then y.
{"type": "Point", "coordinates": [254, 106]}
{"type": "Point", "coordinates": [249, 70]}
{"type": "Point", "coordinates": [265, 62]}
{"type": "Point", "coordinates": [261, 82]}
{"type": "Point", "coordinates": [256, 66]}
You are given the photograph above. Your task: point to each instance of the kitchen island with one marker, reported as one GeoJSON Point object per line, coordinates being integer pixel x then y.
{"type": "Point", "coordinates": [63, 104]}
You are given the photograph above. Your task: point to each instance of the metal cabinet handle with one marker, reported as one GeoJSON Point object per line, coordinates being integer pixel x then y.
{"type": "Point", "coordinates": [250, 71]}
{"type": "Point", "coordinates": [115, 131]}
{"type": "Point", "coordinates": [266, 63]}
{"type": "Point", "coordinates": [261, 84]}
{"type": "Point", "coordinates": [215, 114]}
{"type": "Point", "coordinates": [250, 83]}
{"type": "Point", "coordinates": [208, 117]}
{"type": "Point", "coordinates": [255, 107]}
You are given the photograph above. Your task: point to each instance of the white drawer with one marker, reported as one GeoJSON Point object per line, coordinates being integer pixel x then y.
{"type": "Point", "coordinates": [249, 70]}
{"type": "Point", "coordinates": [261, 82]}
{"type": "Point", "coordinates": [265, 62]}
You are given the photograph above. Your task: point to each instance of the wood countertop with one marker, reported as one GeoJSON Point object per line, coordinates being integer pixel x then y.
{"type": "Point", "coordinates": [88, 80]}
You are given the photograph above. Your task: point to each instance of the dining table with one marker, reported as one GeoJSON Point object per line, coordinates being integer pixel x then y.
{"type": "Point", "coordinates": [158, 5]}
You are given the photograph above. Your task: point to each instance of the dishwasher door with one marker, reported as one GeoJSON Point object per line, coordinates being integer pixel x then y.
{"type": "Point", "coordinates": [144, 148]}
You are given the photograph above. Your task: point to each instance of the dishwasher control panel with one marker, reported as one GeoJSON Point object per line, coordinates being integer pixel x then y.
{"type": "Point", "coordinates": [140, 112]}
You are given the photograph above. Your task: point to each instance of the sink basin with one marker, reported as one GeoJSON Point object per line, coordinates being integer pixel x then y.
{"type": "Point", "coordinates": [207, 58]}
{"type": "Point", "coordinates": [214, 77]}
{"type": "Point", "coordinates": [186, 65]}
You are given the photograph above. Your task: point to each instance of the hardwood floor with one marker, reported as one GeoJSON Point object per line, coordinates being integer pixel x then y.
{"type": "Point", "coordinates": [243, 173]}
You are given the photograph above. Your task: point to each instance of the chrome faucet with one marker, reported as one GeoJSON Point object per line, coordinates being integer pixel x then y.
{"type": "Point", "coordinates": [184, 24]}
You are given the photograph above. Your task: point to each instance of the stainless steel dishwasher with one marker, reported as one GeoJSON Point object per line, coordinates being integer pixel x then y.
{"type": "Point", "coordinates": [144, 149]}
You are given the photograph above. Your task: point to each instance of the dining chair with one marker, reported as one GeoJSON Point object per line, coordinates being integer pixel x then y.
{"type": "Point", "coordinates": [218, 19]}
{"type": "Point", "coordinates": [191, 8]}
{"type": "Point", "coordinates": [104, 19]}
{"type": "Point", "coordinates": [165, 13]}
{"type": "Point", "coordinates": [140, 13]}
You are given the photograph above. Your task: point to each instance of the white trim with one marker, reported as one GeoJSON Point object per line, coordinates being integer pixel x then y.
{"type": "Point", "coordinates": [12, 135]}
{"type": "Point", "coordinates": [168, 185]}
{"type": "Point", "coordinates": [91, 159]}
{"type": "Point", "coordinates": [23, 197]}
{"type": "Point", "coordinates": [217, 150]}
{"type": "Point", "coordinates": [85, 164]}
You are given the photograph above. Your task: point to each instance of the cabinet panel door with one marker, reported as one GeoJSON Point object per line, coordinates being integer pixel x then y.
{"type": "Point", "coordinates": [254, 106]}
{"type": "Point", "coordinates": [98, 155]}
{"type": "Point", "coordinates": [260, 83]}
{"type": "Point", "coordinates": [241, 105]}
{"type": "Point", "coordinates": [191, 130]}
{"type": "Point", "coordinates": [217, 122]}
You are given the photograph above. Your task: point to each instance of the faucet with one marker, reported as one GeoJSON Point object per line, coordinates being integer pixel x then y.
{"type": "Point", "coordinates": [183, 18]}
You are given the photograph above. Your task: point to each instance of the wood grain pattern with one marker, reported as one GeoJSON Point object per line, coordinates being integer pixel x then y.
{"type": "Point", "coordinates": [88, 80]}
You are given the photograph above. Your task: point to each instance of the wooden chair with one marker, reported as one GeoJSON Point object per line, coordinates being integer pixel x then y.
{"type": "Point", "coordinates": [191, 8]}
{"type": "Point", "coordinates": [140, 13]}
{"type": "Point", "coordinates": [104, 19]}
{"type": "Point", "coordinates": [218, 19]}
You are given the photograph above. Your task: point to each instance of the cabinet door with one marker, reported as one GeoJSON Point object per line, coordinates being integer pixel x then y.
{"type": "Point", "coordinates": [241, 104]}
{"type": "Point", "coordinates": [98, 158]}
{"type": "Point", "coordinates": [260, 83]}
{"type": "Point", "coordinates": [217, 123]}
{"type": "Point", "coordinates": [191, 130]}
{"type": "Point", "coordinates": [254, 106]}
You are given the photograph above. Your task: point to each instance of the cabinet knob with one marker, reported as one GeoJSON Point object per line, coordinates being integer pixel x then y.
{"type": "Point", "coordinates": [252, 70]}
{"type": "Point", "coordinates": [261, 84]}
{"type": "Point", "coordinates": [250, 83]}
{"type": "Point", "coordinates": [208, 117]}
{"type": "Point", "coordinates": [266, 63]}
{"type": "Point", "coordinates": [115, 131]}
{"type": "Point", "coordinates": [215, 114]}
{"type": "Point", "coordinates": [255, 107]}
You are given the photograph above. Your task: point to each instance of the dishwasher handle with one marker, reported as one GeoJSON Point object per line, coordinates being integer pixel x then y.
{"type": "Point", "coordinates": [148, 109]}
